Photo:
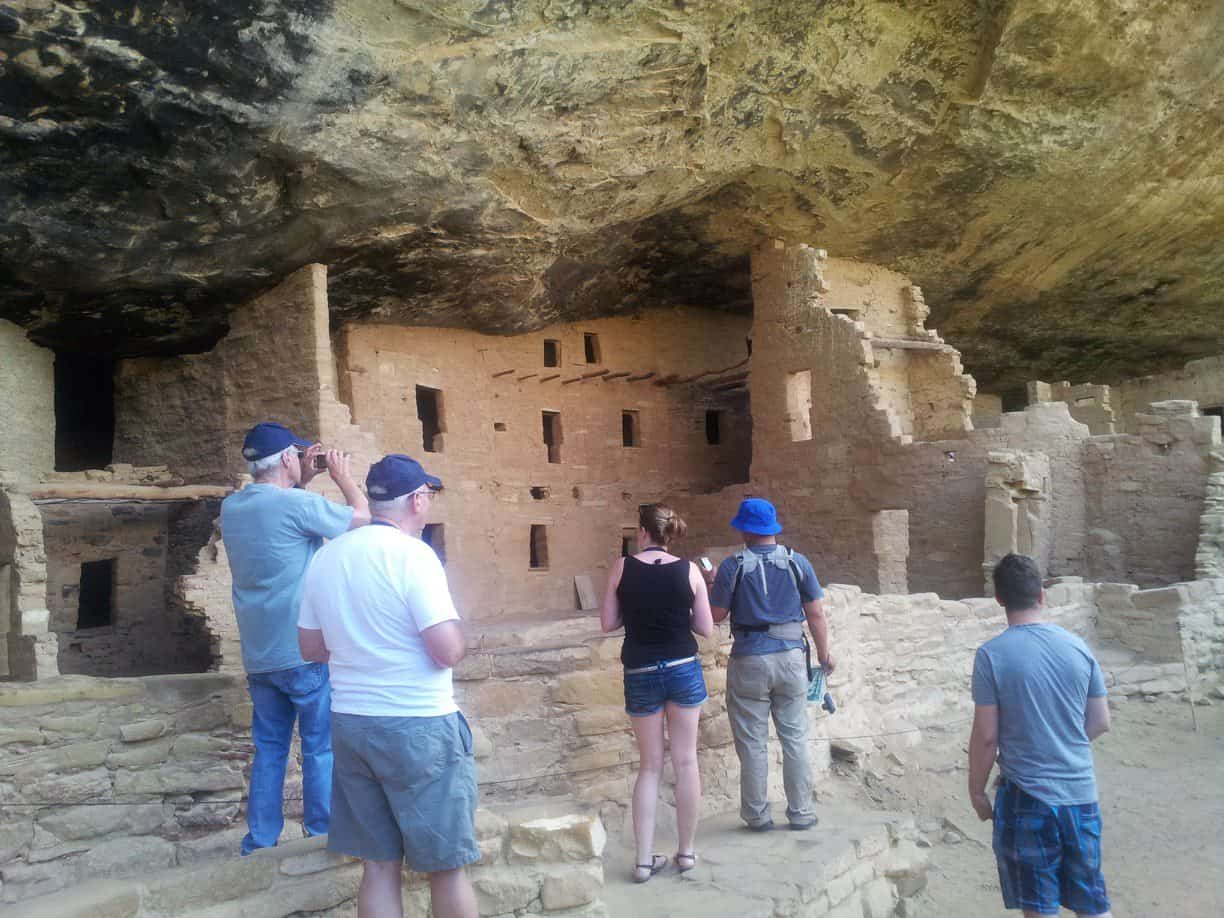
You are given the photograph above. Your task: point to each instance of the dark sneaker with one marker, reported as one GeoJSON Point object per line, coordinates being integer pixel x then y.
{"type": "Point", "coordinates": [761, 826]}
{"type": "Point", "coordinates": [803, 826]}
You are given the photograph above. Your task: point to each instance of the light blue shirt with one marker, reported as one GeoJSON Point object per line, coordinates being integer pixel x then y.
{"type": "Point", "coordinates": [1041, 677]}
{"type": "Point", "coordinates": [771, 601]}
{"type": "Point", "coordinates": [270, 535]}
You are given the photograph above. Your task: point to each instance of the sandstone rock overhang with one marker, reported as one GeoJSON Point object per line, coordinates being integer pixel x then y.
{"type": "Point", "coordinates": [1049, 173]}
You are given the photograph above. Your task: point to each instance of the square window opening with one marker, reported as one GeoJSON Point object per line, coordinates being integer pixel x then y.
{"type": "Point", "coordinates": [539, 493]}
{"type": "Point", "coordinates": [713, 427]}
{"type": "Point", "coordinates": [95, 600]}
{"type": "Point", "coordinates": [429, 412]}
{"type": "Point", "coordinates": [552, 353]}
{"type": "Point", "coordinates": [631, 434]}
{"type": "Point", "coordinates": [539, 547]}
{"type": "Point", "coordinates": [552, 435]}
{"type": "Point", "coordinates": [590, 344]}
{"type": "Point", "coordinates": [434, 535]}
{"type": "Point", "coordinates": [499, 426]}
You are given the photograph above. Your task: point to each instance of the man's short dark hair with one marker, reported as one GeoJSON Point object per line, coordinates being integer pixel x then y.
{"type": "Point", "coordinates": [1017, 582]}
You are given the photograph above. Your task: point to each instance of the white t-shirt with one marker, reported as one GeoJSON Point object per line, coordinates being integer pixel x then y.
{"type": "Point", "coordinates": [372, 592]}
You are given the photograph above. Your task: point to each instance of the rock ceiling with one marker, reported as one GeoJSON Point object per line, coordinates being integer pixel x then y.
{"type": "Point", "coordinates": [1052, 173]}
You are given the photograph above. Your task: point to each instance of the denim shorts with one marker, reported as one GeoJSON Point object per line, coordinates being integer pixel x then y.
{"type": "Point", "coordinates": [1048, 856]}
{"type": "Point", "coordinates": [645, 693]}
{"type": "Point", "coordinates": [404, 789]}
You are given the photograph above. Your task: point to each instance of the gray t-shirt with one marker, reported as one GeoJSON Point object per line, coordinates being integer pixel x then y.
{"type": "Point", "coordinates": [270, 535]}
{"type": "Point", "coordinates": [1041, 677]}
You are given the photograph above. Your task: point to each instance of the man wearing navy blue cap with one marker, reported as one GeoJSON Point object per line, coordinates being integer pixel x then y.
{"type": "Point", "coordinates": [376, 605]}
{"type": "Point", "coordinates": [769, 590]}
{"type": "Point", "coordinates": [271, 529]}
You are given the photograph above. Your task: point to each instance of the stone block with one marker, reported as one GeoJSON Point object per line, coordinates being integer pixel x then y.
{"type": "Point", "coordinates": [214, 845]}
{"type": "Point", "coordinates": [179, 779]}
{"type": "Point", "coordinates": [95, 899]}
{"type": "Point", "coordinates": [78, 822]}
{"type": "Point", "coordinates": [502, 890]}
{"type": "Point", "coordinates": [123, 857]}
{"type": "Point", "coordinates": [571, 888]}
{"type": "Point", "coordinates": [202, 718]}
{"type": "Point", "coordinates": [140, 754]}
{"type": "Point", "coordinates": [588, 688]}
{"type": "Point", "coordinates": [562, 838]}
{"type": "Point", "coordinates": [178, 892]}
{"type": "Point", "coordinates": [600, 720]}
{"type": "Point", "coordinates": [879, 900]}
{"type": "Point", "coordinates": [141, 731]}
{"type": "Point", "coordinates": [77, 724]}
{"type": "Point", "coordinates": [77, 787]}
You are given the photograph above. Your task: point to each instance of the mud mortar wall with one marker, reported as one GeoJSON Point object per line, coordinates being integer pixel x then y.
{"type": "Point", "coordinates": [491, 454]}
{"type": "Point", "coordinates": [1144, 497]}
{"type": "Point", "coordinates": [1199, 380]}
{"type": "Point", "coordinates": [27, 392]}
{"type": "Point", "coordinates": [191, 412]}
{"type": "Point", "coordinates": [149, 632]}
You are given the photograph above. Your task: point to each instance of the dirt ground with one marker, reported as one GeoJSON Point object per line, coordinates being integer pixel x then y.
{"type": "Point", "coordinates": [1161, 788]}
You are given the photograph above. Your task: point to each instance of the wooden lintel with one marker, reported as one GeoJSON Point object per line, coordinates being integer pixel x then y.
{"type": "Point", "coordinates": [620, 375]}
{"type": "Point", "coordinates": [908, 344]}
{"type": "Point", "coordinates": [528, 376]}
{"type": "Point", "coordinates": [594, 374]}
{"type": "Point", "coordinates": [502, 373]}
{"type": "Point", "coordinates": [97, 490]}
{"type": "Point", "coordinates": [641, 376]}
{"type": "Point", "coordinates": [547, 378]}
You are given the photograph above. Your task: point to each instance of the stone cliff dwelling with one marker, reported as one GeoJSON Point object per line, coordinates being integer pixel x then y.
{"type": "Point", "coordinates": [832, 398]}
{"type": "Point", "coordinates": [572, 256]}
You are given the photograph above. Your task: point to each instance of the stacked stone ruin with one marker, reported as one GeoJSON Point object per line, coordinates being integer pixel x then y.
{"type": "Point", "coordinates": [124, 738]}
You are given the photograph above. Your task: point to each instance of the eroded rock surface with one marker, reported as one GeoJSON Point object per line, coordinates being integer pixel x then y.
{"type": "Point", "coordinates": [1050, 172]}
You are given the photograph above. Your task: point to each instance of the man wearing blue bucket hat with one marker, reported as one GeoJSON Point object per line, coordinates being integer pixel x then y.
{"type": "Point", "coordinates": [769, 590]}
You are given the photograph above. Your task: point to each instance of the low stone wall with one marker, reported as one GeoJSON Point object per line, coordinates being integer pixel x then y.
{"type": "Point", "coordinates": [117, 777]}
{"type": "Point", "coordinates": [549, 865]}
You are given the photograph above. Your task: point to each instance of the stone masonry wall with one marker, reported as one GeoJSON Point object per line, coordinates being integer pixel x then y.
{"type": "Point", "coordinates": [191, 412]}
{"type": "Point", "coordinates": [27, 392]}
{"type": "Point", "coordinates": [491, 453]}
{"type": "Point", "coordinates": [29, 647]}
{"type": "Point", "coordinates": [145, 541]}
{"type": "Point", "coordinates": [117, 777]}
{"type": "Point", "coordinates": [1144, 497]}
{"type": "Point", "coordinates": [1201, 381]}
{"type": "Point", "coordinates": [528, 864]}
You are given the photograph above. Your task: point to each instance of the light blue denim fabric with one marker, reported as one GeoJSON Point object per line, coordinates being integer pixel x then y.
{"type": "Point", "coordinates": [302, 693]}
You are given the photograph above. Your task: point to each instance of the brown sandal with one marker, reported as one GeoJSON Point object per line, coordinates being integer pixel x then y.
{"type": "Point", "coordinates": [691, 857]}
{"type": "Point", "coordinates": [657, 863]}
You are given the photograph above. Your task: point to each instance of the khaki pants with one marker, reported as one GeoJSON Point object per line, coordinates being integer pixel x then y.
{"type": "Point", "coordinates": [759, 686]}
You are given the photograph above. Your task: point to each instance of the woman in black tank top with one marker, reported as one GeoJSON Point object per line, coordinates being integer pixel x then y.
{"type": "Point", "coordinates": [661, 600]}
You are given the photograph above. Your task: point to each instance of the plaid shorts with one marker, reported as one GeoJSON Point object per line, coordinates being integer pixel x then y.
{"type": "Point", "coordinates": [1048, 855]}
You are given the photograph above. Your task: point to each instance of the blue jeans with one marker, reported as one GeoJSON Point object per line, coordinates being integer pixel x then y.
{"type": "Point", "coordinates": [302, 693]}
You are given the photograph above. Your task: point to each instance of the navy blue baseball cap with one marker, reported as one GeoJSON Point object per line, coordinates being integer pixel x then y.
{"type": "Point", "coordinates": [758, 517]}
{"type": "Point", "coordinates": [397, 474]}
{"type": "Point", "coordinates": [268, 439]}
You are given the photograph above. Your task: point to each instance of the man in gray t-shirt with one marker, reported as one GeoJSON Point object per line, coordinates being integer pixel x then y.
{"type": "Point", "coordinates": [1039, 700]}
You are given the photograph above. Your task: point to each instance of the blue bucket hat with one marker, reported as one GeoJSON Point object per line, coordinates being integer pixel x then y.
{"type": "Point", "coordinates": [397, 474]}
{"type": "Point", "coordinates": [758, 517]}
{"type": "Point", "coordinates": [268, 439]}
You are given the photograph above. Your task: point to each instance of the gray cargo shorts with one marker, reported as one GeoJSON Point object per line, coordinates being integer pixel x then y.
{"type": "Point", "coordinates": [404, 788]}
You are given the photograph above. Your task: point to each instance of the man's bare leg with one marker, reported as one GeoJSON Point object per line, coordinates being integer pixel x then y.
{"type": "Point", "coordinates": [451, 894]}
{"type": "Point", "coordinates": [381, 894]}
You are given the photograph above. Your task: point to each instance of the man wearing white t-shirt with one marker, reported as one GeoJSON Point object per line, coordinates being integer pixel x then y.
{"type": "Point", "coordinates": [377, 608]}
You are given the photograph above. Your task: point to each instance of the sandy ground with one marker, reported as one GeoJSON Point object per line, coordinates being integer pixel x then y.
{"type": "Point", "coordinates": [1161, 788]}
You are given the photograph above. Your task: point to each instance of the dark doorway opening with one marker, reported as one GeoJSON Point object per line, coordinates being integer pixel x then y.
{"type": "Point", "coordinates": [552, 435]}
{"type": "Point", "coordinates": [552, 353]}
{"type": "Point", "coordinates": [539, 547]}
{"type": "Point", "coordinates": [84, 411]}
{"type": "Point", "coordinates": [429, 411]}
{"type": "Point", "coordinates": [628, 542]}
{"type": "Point", "coordinates": [434, 535]}
{"type": "Point", "coordinates": [1214, 412]}
{"type": "Point", "coordinates": [630, 433]}
{"type": "Point", "coordinates": [590, 344]}
{"type": "Point", "coordinates": [94, 609]}
{"type": "Point", "coordinates": [713, 427]}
